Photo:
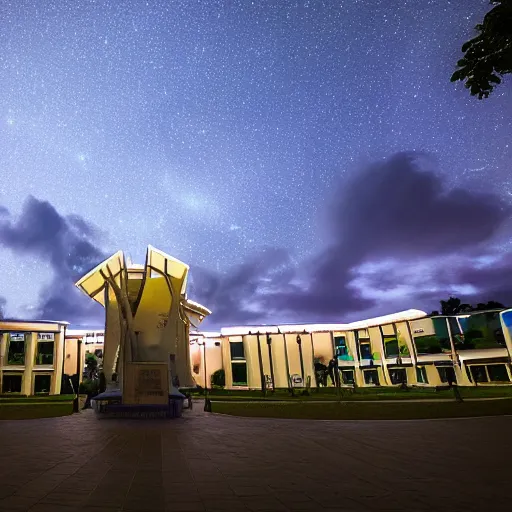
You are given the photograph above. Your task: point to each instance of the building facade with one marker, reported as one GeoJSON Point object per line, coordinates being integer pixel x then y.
{"type": "Point", "coordinates": [31, 357]}
{"type": "Point", "coordinates": [409, 348]}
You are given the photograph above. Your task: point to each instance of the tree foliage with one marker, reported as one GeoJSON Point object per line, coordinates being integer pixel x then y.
{"type": "Point", "coordinates": [454, 306]}
{"type": "Point", "coordinates": [488, 56]}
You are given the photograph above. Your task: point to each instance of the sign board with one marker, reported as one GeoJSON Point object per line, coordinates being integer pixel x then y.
{"type": "Point", "coordinates": [297, 381]}
{"type": "Point", "coordinates": [146, 383]}
{"type": "Point", "coordinates": [268, 381]}
{"type": "Point", "coordinates": [17, 336]}
{"type": "Point", "coordinates": [45, 336]}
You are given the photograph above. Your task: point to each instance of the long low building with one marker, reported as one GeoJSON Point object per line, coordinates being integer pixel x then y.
{"type": "Point", "coordinates": [409, 348]}
{"type": "Point", "coordinates": [405, 348]}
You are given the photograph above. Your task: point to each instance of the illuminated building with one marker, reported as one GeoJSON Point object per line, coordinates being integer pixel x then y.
{"type": "Point", "coordinates": [31, 356]}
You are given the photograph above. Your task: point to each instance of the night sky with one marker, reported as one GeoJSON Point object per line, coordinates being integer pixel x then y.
{"type": "Point", "coordinates": [310, 160]}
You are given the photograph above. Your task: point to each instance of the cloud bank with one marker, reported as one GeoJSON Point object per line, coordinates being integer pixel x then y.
{"type": "Point", "coordinates": [397, 210]}
{"type": "Point", "coordinates": [398, 238]}
{"type": "Point", "coordinates": [67, 244]}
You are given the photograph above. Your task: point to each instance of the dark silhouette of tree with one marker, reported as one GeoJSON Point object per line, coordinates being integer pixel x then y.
{"type": "Point", "coordinates": [488, 56]}
{"type": "Point", "coordinates": [91, 366]}
{"type": "Point", "coordinates": [453, 306]}
{"type": "Point", "coordinates": [492, 304]}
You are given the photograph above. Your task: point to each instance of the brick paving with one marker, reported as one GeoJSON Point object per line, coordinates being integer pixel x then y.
{"type": "Point", "coordinates": [210, 462]}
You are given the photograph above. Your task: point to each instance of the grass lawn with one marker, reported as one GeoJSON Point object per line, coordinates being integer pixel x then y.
{"type": "Point", "coordinates": [365, 411]}
{"type": "Point", "coordinates": [22, 399]}
{"type": "Point", "coordinates": [27, 411]}
{"type": "Point", "coordinates": [31, 407]}
{"type": "Point", "coordinates": [366, 394]}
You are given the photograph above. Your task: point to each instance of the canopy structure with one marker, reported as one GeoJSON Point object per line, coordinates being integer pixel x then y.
{"type": "Point", "coordinates": [148, 315]}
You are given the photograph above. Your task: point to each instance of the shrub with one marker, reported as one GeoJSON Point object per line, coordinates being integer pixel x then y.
{"type": "Point", "coordinates": [218, 379]}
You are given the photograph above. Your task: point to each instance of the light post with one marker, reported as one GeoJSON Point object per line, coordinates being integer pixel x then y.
{"type": "Point", "coordinates": [269, 344]}
{"type": "Point", "coordinates": [76, 401]}
{"type": "Point", "coordinates": [336, 376]}
{"type": "Point", "coordinates": [299, 343]}
{"type": "Point", "coordinates": [207, 403]}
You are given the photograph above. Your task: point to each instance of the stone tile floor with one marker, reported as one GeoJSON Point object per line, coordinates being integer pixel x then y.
{"type": "Point", "coordinates": [209, 462]}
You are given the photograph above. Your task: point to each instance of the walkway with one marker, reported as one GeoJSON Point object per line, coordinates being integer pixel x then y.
{"type": "Point", "coordinates": [209, 462]}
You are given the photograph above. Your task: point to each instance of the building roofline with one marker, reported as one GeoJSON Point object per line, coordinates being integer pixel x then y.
{"type": "Point", "coordinates": [18, 321]}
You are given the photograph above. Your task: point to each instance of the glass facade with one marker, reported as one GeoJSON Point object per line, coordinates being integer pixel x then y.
{"type": "Point", "coordinates": [16, 350]}
{"type": "Point", "coordinates": [391, 348]}
{"type": "Point", "coordinates": [239, 371]}
{"type": "Point", "coordinates": [431, 336]}
{"type": "Point", "coordinates": [44, 353]}
{"type": "Point", "coordinates": [237, 350]}
{"type": "Point", "coordinates": [446, 374]}
{"type": "Point", "coordinates": [341, 348]}
{"type": "Point", "coordinates": [398, 376]}
{"type": "Point", "coordinates": [11, 383]}
{"type": "Point", "coordinates": [371, 377]}
{"type": "Point", "coordinates": [421, 375]}
{"type": "Point", "coordinates": [42, 384]}
{"type": "Point", "coordinates": [479, 331]}
{"type": "Point", "coordinates": [347, 376]}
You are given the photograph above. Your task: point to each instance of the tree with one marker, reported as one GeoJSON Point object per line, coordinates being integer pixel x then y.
{"type": "Point", "coordinates": [492, 304]}
{"type": "Point", "coordinates": [453, 306]}
{"type": "Point", "coordinates": [488, 56]}
{"type": "Point", "coordinates": [91, 366]}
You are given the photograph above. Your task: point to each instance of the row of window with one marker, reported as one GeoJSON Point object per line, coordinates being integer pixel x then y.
{"type": "Point", "coordinates": [476, 374]}
{"type": "Point", "coordinates": [16, 352]}
{"type": "Point", "coordinates": [13, 383]}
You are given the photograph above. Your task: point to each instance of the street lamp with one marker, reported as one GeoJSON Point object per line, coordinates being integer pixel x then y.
{"type": "Point", "coordinates": [207, 403]}
{"type": "Point", "coordinates": [79, 370]}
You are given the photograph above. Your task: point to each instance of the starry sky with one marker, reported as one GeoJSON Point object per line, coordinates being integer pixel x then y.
{"type": "Point", "coordinates": [310, 160]}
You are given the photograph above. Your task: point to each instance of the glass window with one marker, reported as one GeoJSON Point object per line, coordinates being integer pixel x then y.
{"type": "Point", "coordinates": [239, 371]}
{"type": "Point", "coordinates": [432, 337]}
{"type": "Point", "coordinates": [42, 383]}
{"type": "Point", "coordinates": [340, 344]}
{"type": "Point", "coordinates": [237, 350]}
{"type": "Point", "coordinates": [371, 377]}
{"type": "Point", "coordinates": [481, 331]}
{"type": "Point", "coordinates": [44, 353]}
{"type": "Point", "coordinates": [421, 375]}
{"type": "Point", "coordinates": [347, 376]}
{"type": "Point", "coordinates": [478, 373]}
{"type": "Point", "coordinates": [11, 383]}
{"type": "Point", "coordinates": [16, 352]}
{"type": "Point", "coordinates": [391, 348]}
{"type": "Point", "coordinates": [446, 374]}
{"type": "Point", "coordinates": [365, 349]}
{"type": "Point", "coordinates": [498, 373]}
{"type": "Point", "coordinates": [398, 376]}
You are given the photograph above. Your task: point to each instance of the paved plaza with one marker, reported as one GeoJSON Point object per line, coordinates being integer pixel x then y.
{"type": "Point", "coordinates": [211, 462]}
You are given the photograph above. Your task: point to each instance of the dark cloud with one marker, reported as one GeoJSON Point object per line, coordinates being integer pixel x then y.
{"type": "Point", "coordinates": [67, 244]}
{"type": "Point", "coordinates": [237, 295]}
{"type": "Point", "coordinates": [395, 208]}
